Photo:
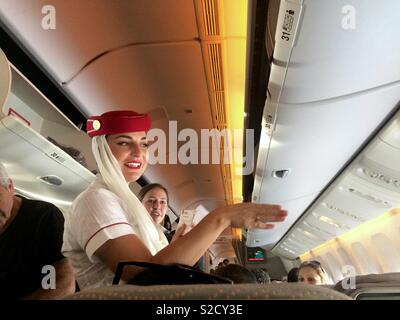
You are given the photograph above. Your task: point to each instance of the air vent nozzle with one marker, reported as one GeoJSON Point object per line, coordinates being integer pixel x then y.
{"type": "Point", "coordinates": [51, 180]}
{"type": "Point", "coordinates": [281, 174]}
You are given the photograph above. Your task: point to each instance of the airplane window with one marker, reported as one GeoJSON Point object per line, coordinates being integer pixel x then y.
{"type": "Point", "coordinates": [387, 253]}
{"type": "Point", "coordinates": [346, 260]}
{"type": "Point", "coordinates": [334, 266]}
{"type": "Point", "coordinates": [364, 259]}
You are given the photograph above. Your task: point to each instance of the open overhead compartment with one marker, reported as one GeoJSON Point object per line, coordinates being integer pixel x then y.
{"type": "Point", "coordinates": [38, 168]}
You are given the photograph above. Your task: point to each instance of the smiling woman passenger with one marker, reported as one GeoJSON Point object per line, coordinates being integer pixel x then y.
{"type": "Point", "coordinates": [154, 197]}
{"type": "Point", "coordinates": [108, 224]}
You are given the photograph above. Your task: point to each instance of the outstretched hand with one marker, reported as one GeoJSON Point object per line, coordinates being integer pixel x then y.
{"type": "Point", "coordinates": [252, 215]}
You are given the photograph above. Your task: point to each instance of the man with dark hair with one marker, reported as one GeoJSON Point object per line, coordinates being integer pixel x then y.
{"type": "Point", "coordinates": [236, 273]}
{"type": "Point", "coordinates": [262, 275]}
{"type": "Point", "coordinates": [31, 235]}
{"type": "Point", "coordinates": [293, 275]}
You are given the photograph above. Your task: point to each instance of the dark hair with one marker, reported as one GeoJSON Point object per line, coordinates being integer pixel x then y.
{"type": "Point", "coordinates": [262, 275]}
{"type": "Point", "coordinates": [167, 223]}
{"type": "Point", "coordinates": [76, 154]}
{"type": "Point", "coordinates": [236, 273]}
{"type": "Point", "coordinates": [293, 275]}
{"type": "Point", "coordinates": [150, 187]}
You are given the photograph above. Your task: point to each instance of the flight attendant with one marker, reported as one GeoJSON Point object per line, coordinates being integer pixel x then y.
{"type": "Point", "coordinates": [108, 224]}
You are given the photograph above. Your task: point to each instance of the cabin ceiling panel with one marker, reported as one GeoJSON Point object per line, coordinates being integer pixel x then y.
{"type": "Point", "coordinates": [85, 29]}
{"type": "Point", "coordinates": [144, 78]}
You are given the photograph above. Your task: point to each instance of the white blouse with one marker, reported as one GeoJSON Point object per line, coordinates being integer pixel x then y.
{"type": "Point", "coordinates": [96, 215]}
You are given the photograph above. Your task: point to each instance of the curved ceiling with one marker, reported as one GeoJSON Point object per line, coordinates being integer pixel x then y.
{"type": "Point", "coordinates": [139, 55]}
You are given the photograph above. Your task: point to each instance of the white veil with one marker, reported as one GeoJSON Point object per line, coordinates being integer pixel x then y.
{"type": "Point", "coordinates": [150, 233]}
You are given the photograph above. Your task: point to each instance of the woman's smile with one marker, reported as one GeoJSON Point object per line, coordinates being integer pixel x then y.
{"type": "Point", "coordinates": [130, 150]}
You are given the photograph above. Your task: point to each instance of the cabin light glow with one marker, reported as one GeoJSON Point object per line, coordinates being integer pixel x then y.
{"type": "Point", "coordinates": [33, 195]}
{"type": "Point", "coordinates": [236, 233]}
{"type": "Point", "coordinates": [233, 17]}
{"type": "Point", "coordinates": [357, 234]}
{"type": "Point", "coordinates": [308, 234]}
{"type": "Point", "coordinates": [333, 223]}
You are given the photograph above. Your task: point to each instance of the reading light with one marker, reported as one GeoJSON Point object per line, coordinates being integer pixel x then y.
{"type": "Point", "coordinates": [308, 234]}
{"type": "Point", "coordinates": [344, 212]}
{"type": "Point", "coordinates": [380, 177]}
{"type": "Point", "coordinates": [368, 197]}
{"type": "Point", "coordinates": [333, 223]}
{"type": "Point", "coordinates": [318, 229]}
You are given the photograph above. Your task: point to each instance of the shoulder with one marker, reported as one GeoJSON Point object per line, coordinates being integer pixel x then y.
{"type": "Point", "coordinates": [97, 205]}
{"type": "Point", "coordinates": [40, 209]}
{"type": "Point", "coordinates": [41, 218]}
{"type": "Point", "coordinates": [94, 193]}
{"type": "Point", "coordinates": [37, 205]}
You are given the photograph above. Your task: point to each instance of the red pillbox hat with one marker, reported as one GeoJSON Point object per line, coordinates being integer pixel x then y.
{"type": "Point", "coordinates": [114, 122]}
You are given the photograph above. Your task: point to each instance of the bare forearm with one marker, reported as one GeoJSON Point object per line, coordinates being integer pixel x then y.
{"type": "Point", "coordinates": [188, 249]}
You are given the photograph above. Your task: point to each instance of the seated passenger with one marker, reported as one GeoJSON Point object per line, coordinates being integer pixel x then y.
{"type": "Point", "coordinates": [236, 273]}
{"type": "Point", "coordinates": [108, 224]}
{"type": "Point", "coordinates": [311, 272]}
{"type": "Point", "coordinates": [154, 198]}
{"type": "Point", "coordinates": [293, 275]}
{"type": "Point", "coordinates": [31, 234]}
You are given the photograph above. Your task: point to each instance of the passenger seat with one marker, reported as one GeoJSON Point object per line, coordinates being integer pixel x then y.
{"type": "Point", "coordinates": [373, 287]}
{"type": "Point", "coordinates": [271, 291]}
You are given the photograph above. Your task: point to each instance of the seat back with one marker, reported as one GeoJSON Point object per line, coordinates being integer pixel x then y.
{"type": "Point", "coordinates": [252, 291]}
{"type": "Point", "coordinates": [372, 286]}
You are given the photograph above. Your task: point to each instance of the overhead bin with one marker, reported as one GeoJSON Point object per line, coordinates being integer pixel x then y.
{"type": "Point", "coordinates": [38, 168]}
{"type": "Point", "coordinates": [323, 101]}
